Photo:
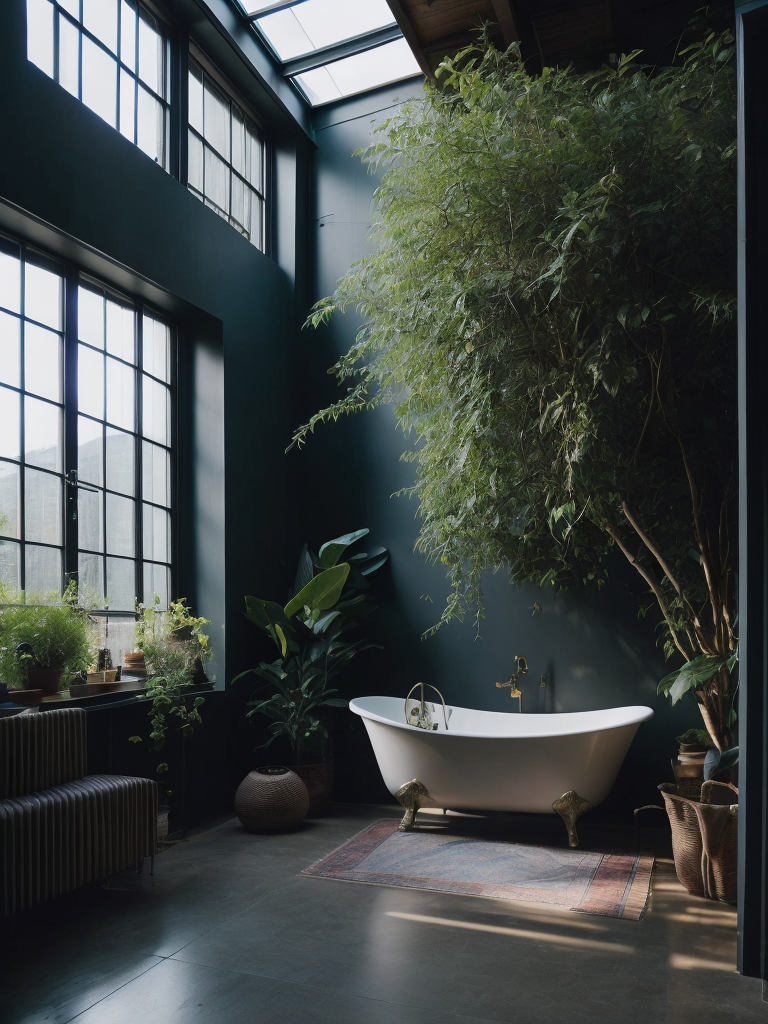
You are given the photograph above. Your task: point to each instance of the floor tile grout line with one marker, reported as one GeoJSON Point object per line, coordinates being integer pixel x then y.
{"type": "Point", "coordinates": [130, 981]}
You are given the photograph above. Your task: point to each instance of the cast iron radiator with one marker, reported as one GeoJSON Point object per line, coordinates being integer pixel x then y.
{"type": "Point", "coordinates": [61, 828]}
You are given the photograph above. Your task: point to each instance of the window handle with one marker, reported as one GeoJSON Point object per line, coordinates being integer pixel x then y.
{"type": "Point", "coordinates": [74, 483]}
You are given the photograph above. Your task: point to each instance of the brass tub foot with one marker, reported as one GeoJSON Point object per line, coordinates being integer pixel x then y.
{"type": "Point", "coordinates": [409, 795]}
{"type": "Point", "coordinates": [570, 807]}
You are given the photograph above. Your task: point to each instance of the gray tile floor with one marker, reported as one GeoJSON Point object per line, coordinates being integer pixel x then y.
{"type": "Point", "coordinates": [228, 932]}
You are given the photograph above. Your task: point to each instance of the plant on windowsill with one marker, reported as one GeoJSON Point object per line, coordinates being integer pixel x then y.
{"type": "Point", "coordinates": [44, 642]}
{"type": "Point", "coordinates": [311, 633]}
{"type": "Point", "coordinates": [175, 648]}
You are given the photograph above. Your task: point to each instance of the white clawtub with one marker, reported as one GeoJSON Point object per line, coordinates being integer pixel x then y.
{"type": "Point", "coordinates": [497, 761]}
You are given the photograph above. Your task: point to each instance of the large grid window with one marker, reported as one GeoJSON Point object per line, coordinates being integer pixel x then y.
{"type": "Point", "coordinates": [113, 55]}
{"type": "Point", "coordinates": [86, 420]}
{"type": "Point", "coordinates": [226, 156]}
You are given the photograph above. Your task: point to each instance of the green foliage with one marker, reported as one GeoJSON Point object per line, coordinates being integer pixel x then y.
{"type": "Point", "coordinates": [310, 632]}
{"type": "Point", "coordinates": [550, 310]}
{"type": "Point", "coordinates": [60, 635]}
{"type": "Point", "coordinates": [175, 650]}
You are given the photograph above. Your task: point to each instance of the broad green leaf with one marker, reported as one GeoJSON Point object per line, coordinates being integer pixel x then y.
{"type": "Point", "coordinates": [332, 550]}
{"type": "Point", "coordinates": [321, 593]}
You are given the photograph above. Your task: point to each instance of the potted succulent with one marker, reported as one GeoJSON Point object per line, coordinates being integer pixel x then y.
{"type": "Point", "coordinates": [311, 633]}
{"type": "Point", "coordinates": [42, 644]}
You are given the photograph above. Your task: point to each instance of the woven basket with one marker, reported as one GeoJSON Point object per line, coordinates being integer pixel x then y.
{"type": "Point", "coordinates": [704, 839]}
{"type": "Point", "coordinates": [271, 798]}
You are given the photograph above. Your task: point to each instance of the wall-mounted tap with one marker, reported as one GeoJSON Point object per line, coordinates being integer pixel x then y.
{"type": "Point", "coordinates": [521, 669]}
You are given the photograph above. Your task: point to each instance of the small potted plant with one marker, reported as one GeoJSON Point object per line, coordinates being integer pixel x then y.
{"type": "Point", "coordinates": [311, 633]}
{"type": "Point", "coordinates": [175, 649]}
{"type": "Point", "coordinates": [42, 644]}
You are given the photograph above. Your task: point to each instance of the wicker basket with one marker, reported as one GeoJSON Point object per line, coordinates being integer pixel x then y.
{"type": "Point", "coordinates": [704, 839]}
{"type": "Point", "coordinates": [271, 798]}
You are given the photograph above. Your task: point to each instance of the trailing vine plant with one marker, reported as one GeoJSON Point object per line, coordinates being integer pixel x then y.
{"type": "Point", "coordinates": [550, 310]}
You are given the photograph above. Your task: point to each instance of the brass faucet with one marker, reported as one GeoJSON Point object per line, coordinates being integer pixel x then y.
{"type": "Point", "coordinates": [521, 669]}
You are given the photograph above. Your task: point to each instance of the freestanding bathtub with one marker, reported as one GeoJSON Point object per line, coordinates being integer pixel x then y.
{"type": "Point", "coordinates": [499, 761]}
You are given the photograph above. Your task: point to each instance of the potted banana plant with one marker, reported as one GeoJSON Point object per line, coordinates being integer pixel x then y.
{"type": "Point", "coordinates": [312, 635]}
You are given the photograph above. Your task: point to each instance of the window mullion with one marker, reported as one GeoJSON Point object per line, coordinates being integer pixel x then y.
{"type": "Point", "coordinates": [70, 533]}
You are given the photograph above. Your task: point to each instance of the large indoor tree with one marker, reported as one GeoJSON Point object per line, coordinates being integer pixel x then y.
{"type": "Point", "coordinates": [549, 307]}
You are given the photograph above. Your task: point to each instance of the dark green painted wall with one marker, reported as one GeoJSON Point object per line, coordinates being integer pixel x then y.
{"type": "Point", "coordinates": [591, 646]}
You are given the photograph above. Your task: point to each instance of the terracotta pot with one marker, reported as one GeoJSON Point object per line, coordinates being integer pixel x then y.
{"type": "Point", "coordinates": [29, 698]}
{"type": "Point", "coordinates": [45, 679]}
{"type": "Point", "coordinates": [318, 778]}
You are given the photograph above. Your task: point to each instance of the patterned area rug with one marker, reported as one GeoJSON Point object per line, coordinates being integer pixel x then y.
{"type": "Point", "coordinates": [611, 884]}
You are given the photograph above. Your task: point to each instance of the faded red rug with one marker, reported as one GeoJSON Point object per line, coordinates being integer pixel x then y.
{"type": "Point", "coordinates": [610, 884]}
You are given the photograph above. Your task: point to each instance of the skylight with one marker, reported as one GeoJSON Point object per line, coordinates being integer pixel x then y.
{"type": "Point", "coordinates": [332, 49]}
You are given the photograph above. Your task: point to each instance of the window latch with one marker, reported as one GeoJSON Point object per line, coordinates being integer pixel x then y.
{"type": "Point", "coordinates": [74, 485]}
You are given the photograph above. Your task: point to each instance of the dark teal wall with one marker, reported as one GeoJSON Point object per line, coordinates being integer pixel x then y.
{"type": "Point", "coordinates": [591, 646]}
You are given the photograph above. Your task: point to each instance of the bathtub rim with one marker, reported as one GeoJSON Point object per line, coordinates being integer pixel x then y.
{"type": "Point", "coordinates": [572, 723]}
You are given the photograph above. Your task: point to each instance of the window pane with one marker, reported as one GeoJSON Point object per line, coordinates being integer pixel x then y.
{"type": "Point", "coordinates": [40, 34]}
{"type": "Point", "coordinates": [238, 140]}
{"type": "Point", "coordinates": [257, 219]}
{"type": "Point", "coordinates": [128, 36]}
{"type": "Point", "coordinates": [120, 331]}
{"type": "Point", "coordinates": [151, 63]}
{"type": "Point", "coordinates": [255, 164]}
{"type": "Point", "coordinates": [10, 424]}
{"type": "Point", "coordinates": [42, 507]}
{"type": "Point", "coordinates": [121, 583]}
{"type": "Point", "coordinates": [90, 451]}
{"type": "Point", "coordinates": [151, 128]}
{"type": "Point", "coordinates": [238, 205]}
{"type": "Point", "coordinates": [216, 180]}
{"type": "Point", "coordinates": [127, 106]}
{"type": "Point", "coordinates": [10, 350]}
{"type": "Point", "coordinates": [120, 394]}
{"type": "Point", "coordinates": [90, 317]}
{"type": "Point", "coordinates": [73, 6]}
{"type": "Point", "coordinates": [157, 411]}
{"type": "Point", "coordinates": [10, 563]}
{"type": "Point", "coordinates": [90, 515]}
{"type": "Point", "coordinates": [157, 581]}
{"type": "Point", "coordinates": [42, 567]}
{"type": "Point", "coordinates": [69, 57]}
{"type": "Point", "coordinates": [196, 97]}
{"type": "Point", "coordinates": [43, 434]}
{"type": "Point", "coordinates": [216, 119]}
{"type": "Point", "coordinates": [90, 571]}
{"type": "Point", "coordinates": [195, 164]}
{"type": "Point", "coordinates": [100, 18]}
{"type": "Point", "coordinates": [120, 525]}
{"type": "Point", "coordinates": [42, 296]}
{"type": "Point", "coordinates": [10, 282]}
{"type": "Point", "coordinates": [43, 351]}
{"type": "Point", "coordinates": [157, 348]}
{"type": "Point", "coordinates": [157, 533]}
{"type": "Point", "coordinates": [90, 381]}
{"type": "Point", "coordinates": [9, 499]}
{"type": "Point", "coordinates": [156, 471]}
{"type": "Point", "coordinates": [99, 81]}
{"type": "Point", "coordinates": [121, 461]}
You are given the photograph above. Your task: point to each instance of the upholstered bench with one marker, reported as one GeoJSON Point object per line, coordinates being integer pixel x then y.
{"type": "Point", "coordinates": [61, 828]}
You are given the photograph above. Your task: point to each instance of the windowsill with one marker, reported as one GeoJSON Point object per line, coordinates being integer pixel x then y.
{"type": "Point", "coordinates": [105, 699]}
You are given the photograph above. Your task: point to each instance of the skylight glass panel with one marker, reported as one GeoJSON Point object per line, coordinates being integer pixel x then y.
{"type": "Point", "coordinates": [350, 75]}
{"type": "Point", "coordinates": [314, 24]}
